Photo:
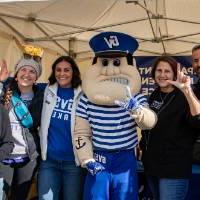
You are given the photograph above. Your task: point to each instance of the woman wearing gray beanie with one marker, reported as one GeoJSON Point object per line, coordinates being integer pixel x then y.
{"type": "Point", "coordinates": [23, 101]}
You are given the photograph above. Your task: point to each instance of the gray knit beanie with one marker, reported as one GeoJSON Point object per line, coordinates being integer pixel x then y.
{"type": "Point", "coordinates": [29, 62]}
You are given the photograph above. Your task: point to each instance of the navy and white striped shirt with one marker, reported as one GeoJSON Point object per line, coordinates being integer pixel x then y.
{"type": "Point", "coordinates": [112, 127]}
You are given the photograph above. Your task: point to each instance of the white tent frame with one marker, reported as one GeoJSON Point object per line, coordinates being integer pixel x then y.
{"type": "Point", "coordinates": [158, 36]}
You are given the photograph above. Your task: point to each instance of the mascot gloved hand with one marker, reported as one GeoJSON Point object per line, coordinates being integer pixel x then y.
{"type": "Point", "coordinates": [94, 167]}
{"type": "Point", "coordinates": [131, 104]}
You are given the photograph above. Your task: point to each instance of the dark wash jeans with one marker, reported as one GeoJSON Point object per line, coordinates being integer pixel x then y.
{"type": "Point", "coordinates": [56, 176]}
{"type": "Point", "coordinates": [168, 189]}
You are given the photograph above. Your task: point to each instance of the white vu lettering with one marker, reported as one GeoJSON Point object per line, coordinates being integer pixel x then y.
{"type": "Point", "coordinates": [59, 115]}
{"type": "Point", "coordinates": [64, 104]}
{"type": "Point", "coordinates": [100, 158]}
{"type": "Point", "coordinates": [112, 41]}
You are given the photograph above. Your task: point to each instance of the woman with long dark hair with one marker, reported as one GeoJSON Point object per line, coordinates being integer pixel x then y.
{"type": "Point", "coordinates": [59, 169]}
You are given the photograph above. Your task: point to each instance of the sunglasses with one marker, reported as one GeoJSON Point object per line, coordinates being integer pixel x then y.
{"type": "Point", "coordinates": [36, 58]}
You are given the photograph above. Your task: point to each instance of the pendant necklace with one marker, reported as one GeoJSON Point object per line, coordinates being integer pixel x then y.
{"type": "Point", "coordinates": [159, 103]}
{"type": "Point", "coordinates": [163, 98]}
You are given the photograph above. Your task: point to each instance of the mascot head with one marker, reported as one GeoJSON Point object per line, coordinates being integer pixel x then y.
{"type": "Point", "coordinates": [113, 68]}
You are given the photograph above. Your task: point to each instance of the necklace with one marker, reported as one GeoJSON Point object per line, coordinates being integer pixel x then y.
{"type": "Point", "coordinates": [163, 104]}
{"type": "Point", "coordinates": [163, 98]}
{"type": "Point", "coordinates": [157, 104]}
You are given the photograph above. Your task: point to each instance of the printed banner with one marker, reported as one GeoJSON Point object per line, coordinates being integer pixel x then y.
{"type": "Point", "coordinates": [144, 64]}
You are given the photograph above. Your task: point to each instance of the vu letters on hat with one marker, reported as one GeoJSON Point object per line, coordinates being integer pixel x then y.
{"type": "Point", "coordinates": [113, 42]}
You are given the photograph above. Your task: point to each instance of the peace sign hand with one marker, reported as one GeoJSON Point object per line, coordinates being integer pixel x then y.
{"type": "Point", "coordinates": [183, 81]}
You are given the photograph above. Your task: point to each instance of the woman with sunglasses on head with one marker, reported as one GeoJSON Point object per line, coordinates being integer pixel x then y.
{"type": "Point", "coordinates": [167, 148]}
{"type": "Point", "coordinates": [23, 100]}
{"type": "Point", "coordinates": [60, 177]}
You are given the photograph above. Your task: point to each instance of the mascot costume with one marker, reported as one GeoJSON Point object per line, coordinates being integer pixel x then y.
{"type": "Point", "coordinates": [107, 116]}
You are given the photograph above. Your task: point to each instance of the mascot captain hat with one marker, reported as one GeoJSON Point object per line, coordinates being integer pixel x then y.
{"type": "Point", "coordinates": [113, 43]}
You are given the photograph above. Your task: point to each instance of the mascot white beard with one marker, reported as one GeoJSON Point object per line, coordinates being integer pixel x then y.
{"type": "Point", "coordinates": [105, 84]}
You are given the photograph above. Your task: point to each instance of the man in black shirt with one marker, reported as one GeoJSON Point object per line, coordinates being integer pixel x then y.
{"type": "Point", "coordinates": [195, 181]}
{"type": "Point", "coordinates": [196, 67]}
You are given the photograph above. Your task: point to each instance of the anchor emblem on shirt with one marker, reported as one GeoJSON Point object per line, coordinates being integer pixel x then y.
{"type": "Point", "coordinates": [80, 143]}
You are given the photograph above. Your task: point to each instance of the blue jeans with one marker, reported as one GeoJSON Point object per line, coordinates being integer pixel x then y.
{"type": "Point", "coordinates": [195, 169]}
{"type": "Point", "coordinates": [168, 189]}
{"type": "Point", "coordinates": [194, 192]}
{"type": "Point", "coordinates": [56, 176]}
{"type": "Point", "coordinates": [1, 188]}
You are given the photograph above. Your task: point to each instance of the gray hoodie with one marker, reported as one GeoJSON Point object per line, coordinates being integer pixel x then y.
{"type": "Point", "coordinates": [6, 139]}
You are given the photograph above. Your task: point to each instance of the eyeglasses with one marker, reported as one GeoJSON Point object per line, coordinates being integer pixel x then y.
{"type": "Point", "coordinates": [36, 58]}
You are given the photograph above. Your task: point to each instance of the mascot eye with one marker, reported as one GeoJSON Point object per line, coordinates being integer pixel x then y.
{"type": "Point", "coordinates": [116, 62]}
{"type": "Point", "coordinates": [105, 62]}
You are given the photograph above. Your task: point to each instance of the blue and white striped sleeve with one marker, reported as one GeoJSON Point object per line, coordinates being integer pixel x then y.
{"type": "Point", "coordinates": [141, 99]}
{"type": "Point", "coordinates": [81, 109]}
